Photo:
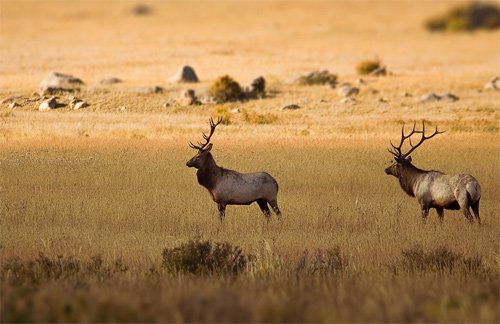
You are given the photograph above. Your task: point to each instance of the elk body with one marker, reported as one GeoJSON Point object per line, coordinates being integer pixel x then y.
{"type": "Point", "coordinates": [228, 187]}
{"type": "Point", "coordinates": [434, 189]}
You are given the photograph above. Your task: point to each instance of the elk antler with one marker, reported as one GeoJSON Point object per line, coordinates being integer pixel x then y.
{"type": "Point", "coordinates": [201, 146]}
{"type": "Point", "coordinates": [396, 150]}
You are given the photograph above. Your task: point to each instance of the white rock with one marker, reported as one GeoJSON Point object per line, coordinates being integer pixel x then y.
{"type": "Point", "coordinates": [346, 90]}
{"type": "Point", "coordinates": [185, 74]}
{"type": "Point", "coordinates": [48, 104]}
{"type": "Point", "coordinates": [56, 81]}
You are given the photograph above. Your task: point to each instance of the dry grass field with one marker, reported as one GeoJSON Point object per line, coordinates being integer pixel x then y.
{"type": "Point", "coordinates": [91, 200]}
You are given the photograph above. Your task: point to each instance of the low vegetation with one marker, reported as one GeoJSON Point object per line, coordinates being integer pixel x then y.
{"type": "Point", "coordinates": [222, 112]}
{"type": "Point", "coordinates": [466, 17]}
{"type": "Point", "coordinates": [367, 66]}
{"type": "Point", "coordinates": [318, 78]}
{"type": "Point", "coordinates": [252, 117]}
{"type": "Point", "coordinates": [226, 89]}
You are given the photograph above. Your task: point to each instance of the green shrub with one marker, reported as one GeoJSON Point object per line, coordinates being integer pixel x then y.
{"type": "Point", "coordinates": [318, 77]}
{"type": "Point", "coordinates": [224, 113]}
{"type": "Point", "coordinates": [226, 89]}
{"type": "Point", "coordinates": [204, 257]}
{"type": "Point", "coordinates": [255, 118]}
{"type": "Point", "coordinates": [367, 66]}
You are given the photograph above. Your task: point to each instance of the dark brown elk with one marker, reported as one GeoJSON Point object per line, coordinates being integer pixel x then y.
{"type": "Point", "coordinates": [434, 189]}
{"type": "Point", "coordinates": [228, 187]}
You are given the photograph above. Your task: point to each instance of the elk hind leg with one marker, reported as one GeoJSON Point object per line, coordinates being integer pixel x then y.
{"type": "Point", "coordinates": [265, 209]}
{"type": "Point", "coordinates": [274, 206]}
{"type": "Point", "coordinates": [463, 200]}
{"type": "Point", "coordinates": [475, 209]}
{"type": "Point", "coordinates": [440, 212]}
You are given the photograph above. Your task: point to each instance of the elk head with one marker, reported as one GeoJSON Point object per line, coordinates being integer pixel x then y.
{"type": "Point", "coordinates": [200, 158]}
{"type": "Point", "coordinates": [402, 159]}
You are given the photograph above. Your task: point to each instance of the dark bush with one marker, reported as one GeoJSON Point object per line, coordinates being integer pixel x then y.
{"type": "Point", "coordinates": [317, 78]}
{"type": "Point", "coordinates": [367, 66]}
{"type": "Point", "coordinates": [204, 257]}
{"type": "Point", "coordinates": [471, 16]}
{"type": "Point", "coordinates": [322, 262]}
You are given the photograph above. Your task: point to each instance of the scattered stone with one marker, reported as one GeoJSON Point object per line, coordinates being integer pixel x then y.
{"type": "Point", "coordinates": [494, 84]}
{"type": "Point", "coordinates": [9, 99]}
{"type": "Point", "coordinates": [348, 100]}
{"type": "Point", "coordinates": [207, 100]}
{"type": "Point", "coordinates": [141, 10]}
{"type": "Point", "coordinates": [185, 74]}
{"type": "Point", "coordinates": [150, 90]}
{"type": "Point", "coordinates": [122, 108]}
{"type": "Point", "coordinates": [49, 104]}
{"type": "Point", "coordinates": [257, 88]}
{"type": "Point", "coordinates": [449, 97]}
{"type": "Point", "coordinates": [13, 105]}
{"type": "Point", "coordinates": [429, 97]}
{"type": "Point", "coordinates": [346, 90]}
{"type": "Point", "coordinates": [187, 98]}
{"type": "Point", "coordinates": [432, 97]}
{"type": "Point", "coordinates": [318, 77]}
{"type": "Point", "coordinates": [290, 107]}
{"type": "Point", "coordinates": [381, 71]}
{"type": "Point", "coordinates": [76, 103]}
{"type": "Point", "coordinates": [359, 81]}
{"type": "Point", "coordinates": [235, 110]}
{"type": "Point", "coordinates": [406, 94]}
{"type": "Point", "coordinates": [59, 82]}
{"type": "Point", "coordinates": [108, 81]}
{"type": "Point", "coordinates": [382, 100]}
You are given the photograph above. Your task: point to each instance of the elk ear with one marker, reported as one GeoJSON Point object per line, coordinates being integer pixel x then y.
{"type": "Point", "coordinates": [209, 147]}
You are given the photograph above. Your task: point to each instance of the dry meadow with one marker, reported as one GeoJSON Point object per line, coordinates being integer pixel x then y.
{"type": "Point", "coordinates": [92, 200]}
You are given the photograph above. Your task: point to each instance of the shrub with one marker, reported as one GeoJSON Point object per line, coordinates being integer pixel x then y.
{"type": "Point", "coordinates": [440, 259]}
{"type": "Point", "coordinates": [318, 77]}
{"type": "Point", "coordinates": [204, 257]}
{"type": "Point", "coordinates": [226, 89]}
{"type": "Point", "coordinates": [322, 262]}
{"type": "Point", "coordinates": [367, 66]}
{"type": "Point", "coordinates": [255, 118]}
{"type": "Point", "coordinates": [466, 17]}
{"type": "Point", "coordinates": [224, 113]}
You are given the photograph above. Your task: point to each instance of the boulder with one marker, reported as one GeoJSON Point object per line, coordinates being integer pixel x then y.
{"type": "Point", "coordinates": [48, 104]}
{"type": "Point", "coordinates": [185, 74]}
{"type": "Point", "coordinates": [56, 81]}
{"type": "Point", "coordinates": [150, 90]}
{"type": "Point", "coordinates": [76, 103]}
{"type": "Point", "coordinates": [494, 84]}
{"type": "Point", "coordinates": [108, 81]}
{"type": "Point", "coordinates": [346, 90]}
{"type": "Point", "coordinates": [187, 98]}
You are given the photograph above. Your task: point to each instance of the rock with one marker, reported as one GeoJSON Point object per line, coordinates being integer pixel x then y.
{"type": "Point", "coordinates": [122, 109]}
{"type": "Point", "coordinates": [49, 104]}
{"type": "Point", "coordinates": [56, 81]}
{"type": "Point", "coordinates": [348, 101]}
{"type": "Point", "coordinates": [494, 84]}
{"type": "Point", "coordinates": [9, 99]}
{"type": "Point", "coordinates": [448, 97]}
{"type": "Point", "coordinates": [346, 90]}
{"type": "Point", "coordinates": [150, 90]}
{"type": "Point", "coordinates": [359, 81]}
{"type": "Point", "coordinates": [13, 105]}
{"type": "Point", "coordinates": [187, 98]}
{"type": "Point", "coordinates": [76, 103]}
{"type": "Point", "coordinates": [290, 107]}
{"type": "Point", "coordinates": [235, 110]}
{"type": "Point", "coordinates": [429, 97]}
{"type": "Point", "coordinates": [382, 100]}
{"type": "Point", "coordinates": [185, 74]}
{"type": "Point", "coordinates": [406, 94]}
{"type": "Point", "coordinates": [381, 71]}
{"type": "Point", "coordinates": [207, 100]}
{"type": "Point", "coordinates": [112, 80]}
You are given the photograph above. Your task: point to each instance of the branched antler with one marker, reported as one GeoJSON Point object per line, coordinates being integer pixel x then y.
{"type": "Point", "coordinates": [213, 125]}
{"type": "Point", "coordinates": [396, 150]}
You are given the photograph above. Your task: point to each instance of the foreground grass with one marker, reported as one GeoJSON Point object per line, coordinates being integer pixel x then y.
{"type": "Point", "coordinates": [124, 203]}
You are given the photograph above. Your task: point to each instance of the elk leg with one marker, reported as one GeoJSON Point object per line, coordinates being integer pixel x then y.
{"type": "Point", "coordinates": [463, 202]}
{"type": "Point", "coordinates": [222, 211]}
{"type": "Point", "coordinates": [274, 206]}
{"type": "Point", "coordinates": [475, 209]}
{"type": "Point", "coordinates": [425, 213]}
{"type": "Point", "coordinates": [440, 212]}
{"type": "Point", "coordinates": [265, 209]}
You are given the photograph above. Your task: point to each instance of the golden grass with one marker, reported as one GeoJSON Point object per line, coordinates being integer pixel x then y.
{"type": "Point", "coordinates": [128, 200]}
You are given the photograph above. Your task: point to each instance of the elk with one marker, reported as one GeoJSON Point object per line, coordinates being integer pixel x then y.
{"type": "Point", "coordinates": [433, 189]}
{"type": "Point", "coordinates": [228, 187]}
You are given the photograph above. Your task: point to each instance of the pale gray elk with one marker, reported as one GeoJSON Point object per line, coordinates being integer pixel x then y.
{"type": "Point", "coordinates": [434, 189]}
{"type": "Point", "coordinates": [228, 187]}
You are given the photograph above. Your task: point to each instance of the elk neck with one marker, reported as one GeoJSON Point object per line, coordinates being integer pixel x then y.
{"type": "Point", "coordinates": [409, 177]}
{"type": "Point", "coordinates": [209, 173]}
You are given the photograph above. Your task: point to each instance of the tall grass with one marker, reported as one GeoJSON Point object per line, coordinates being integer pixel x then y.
{"type": "Point", "coordinates": [351, 246]}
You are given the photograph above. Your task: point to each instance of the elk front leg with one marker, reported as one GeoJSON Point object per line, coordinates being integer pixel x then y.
{"type": "Point", "coordinates": [222, 211]}
{"type": "Point", "coordinates": [425, 210]}
{"type": "Point", "coordinates": [265, 210]}
{"type": "Point", "coordinates": [440, 212]}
